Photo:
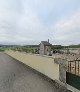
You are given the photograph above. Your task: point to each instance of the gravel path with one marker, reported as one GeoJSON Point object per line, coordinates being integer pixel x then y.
{"type": "Point", "coordinates": [17, 77]}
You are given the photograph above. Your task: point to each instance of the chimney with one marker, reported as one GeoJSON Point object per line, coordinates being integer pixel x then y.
{"type": "Point", "coordinates": [48, 40]}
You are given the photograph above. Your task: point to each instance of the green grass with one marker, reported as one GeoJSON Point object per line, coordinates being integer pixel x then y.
{"type": "Point", "coordinates": [2, 50]}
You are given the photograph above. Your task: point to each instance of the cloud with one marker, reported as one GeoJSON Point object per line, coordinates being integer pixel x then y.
{"type": "Point", "coordinates": [67, 30]}
{"type": "Point", "coordinates": [30, 21]}
{"type": "Point", "coordinates": [19, 26]}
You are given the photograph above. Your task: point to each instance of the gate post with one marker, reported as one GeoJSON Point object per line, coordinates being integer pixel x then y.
{"type": "Point", "coordinates": [62, 70]}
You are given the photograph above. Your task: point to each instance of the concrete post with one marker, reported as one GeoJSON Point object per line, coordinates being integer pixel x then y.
{"type": "Point", "coordinates": [62, 68]}
{"type": "Point", "coordinates": [62, 71]}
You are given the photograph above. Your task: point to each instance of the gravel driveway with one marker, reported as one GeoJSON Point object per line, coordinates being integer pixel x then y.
{"type": "Point", "coordinates": [17, 77]}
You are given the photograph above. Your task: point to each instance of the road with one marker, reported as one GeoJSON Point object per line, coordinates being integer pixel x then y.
{"type": "Point", "coordinates": [17, 77]}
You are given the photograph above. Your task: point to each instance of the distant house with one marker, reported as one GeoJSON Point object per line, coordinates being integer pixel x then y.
{"type": "Point", "coordinates": [45, 48]}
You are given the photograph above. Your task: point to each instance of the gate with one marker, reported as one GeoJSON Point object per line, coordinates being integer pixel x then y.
{"type": "Point", "coordinates": [74, 67]}
{"type": "Point", "coordinates": [73, 73]}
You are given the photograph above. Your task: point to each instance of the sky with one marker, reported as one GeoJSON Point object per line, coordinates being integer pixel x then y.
{"type": "Point", "coordinates": [32, 21]}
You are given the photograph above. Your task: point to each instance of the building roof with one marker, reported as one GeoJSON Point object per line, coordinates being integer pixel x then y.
{"type": "Point", "coordinates": [46, 43]}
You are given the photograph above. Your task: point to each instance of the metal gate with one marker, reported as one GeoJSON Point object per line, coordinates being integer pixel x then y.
{"type": "Point", "coordinates": [73, 73]}
{"type": "Point", "coordinates": [74, 67]}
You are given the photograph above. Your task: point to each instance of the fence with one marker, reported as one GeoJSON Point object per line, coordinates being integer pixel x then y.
{"type": "Point", "coordinates": [74, 67]}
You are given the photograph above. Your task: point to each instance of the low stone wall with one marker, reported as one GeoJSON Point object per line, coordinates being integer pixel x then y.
{"type": "Point", "coordinates": [45, 65]}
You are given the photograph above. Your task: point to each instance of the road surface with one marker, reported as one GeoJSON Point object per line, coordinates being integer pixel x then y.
{"type": "Point", "coordinates": [17, 77]}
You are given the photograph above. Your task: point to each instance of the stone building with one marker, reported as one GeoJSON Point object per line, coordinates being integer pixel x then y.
{"type": "Point", "coordinates": [45, 48]}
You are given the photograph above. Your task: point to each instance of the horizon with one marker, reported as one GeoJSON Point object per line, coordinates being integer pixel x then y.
{"type": "Point", "coordinates": [35, 44]}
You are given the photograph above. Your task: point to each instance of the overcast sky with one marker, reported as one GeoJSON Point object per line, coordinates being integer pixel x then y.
{"type": "Point", "coordinates": [32, 21]}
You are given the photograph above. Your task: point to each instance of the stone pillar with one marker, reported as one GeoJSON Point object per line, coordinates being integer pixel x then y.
{"type": "Point", "coordinates": [62, 70]}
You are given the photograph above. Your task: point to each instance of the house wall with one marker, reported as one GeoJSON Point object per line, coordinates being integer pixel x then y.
{"type": "Point", "coordinates": [41, 49]}
{"type": "Point", "coordinates": [44, 50]}
{"type": "Point", "coordinates": [47, 50]}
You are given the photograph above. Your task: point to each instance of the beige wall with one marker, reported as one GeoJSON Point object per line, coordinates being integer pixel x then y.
{"type": "Point", "coordinates": [44, 65]}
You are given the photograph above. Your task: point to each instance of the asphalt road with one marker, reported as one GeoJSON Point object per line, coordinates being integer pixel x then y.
{"type": "Point", "coordinates": [17, 77]}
